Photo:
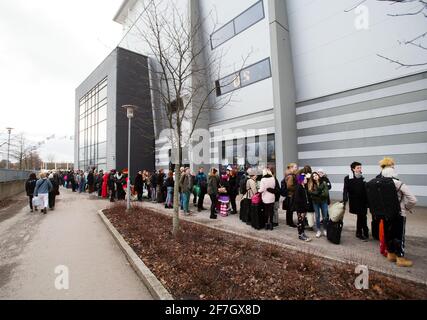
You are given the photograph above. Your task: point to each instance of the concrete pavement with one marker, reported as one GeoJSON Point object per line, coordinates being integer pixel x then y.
{"type": "Point", "coordinates": [33, 245]}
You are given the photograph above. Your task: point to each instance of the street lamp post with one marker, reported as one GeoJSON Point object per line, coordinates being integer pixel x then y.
{"type": "Point", "coordinates": [9, 130]}
{"type": "Point", "coordinates": [130, 110]}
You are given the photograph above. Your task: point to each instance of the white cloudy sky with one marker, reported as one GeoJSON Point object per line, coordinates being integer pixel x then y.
{"type": "Point", "coordinates": [47, 48]}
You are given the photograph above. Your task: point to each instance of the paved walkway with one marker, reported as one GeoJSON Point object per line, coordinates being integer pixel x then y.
{"type": "Point", "coordinates": [32, 245]}
{"type": "Point", "coordinates": [351, 249]}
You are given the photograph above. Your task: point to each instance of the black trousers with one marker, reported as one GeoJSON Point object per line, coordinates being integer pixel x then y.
{"type": "Point", "coordinates": [301, 222]}
{"type": "Point", "coordinates": [201, 200]}
{"type": "Point", "coordinates": [289, 211]}
{"type": "Point", "coordinates": [268, 212]}
{"type": "Point", "coordinates": [213, 204]}
{"type": "Point", "coordinates": [30, 198]}
{"type": "Point", "coordinates": [233, 202]}
{"type": "Point", "coordinates": [394, 231]}
{"type": "Point", "coordinates": [112, 195]}
{"type": "Point", "coordinates": [362, 224]}
{"type": "Point", "coordinates": [52, 198]}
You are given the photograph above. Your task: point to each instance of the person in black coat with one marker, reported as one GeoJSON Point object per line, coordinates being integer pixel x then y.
{"type": "Point", "coordinates": [98, 183]}
{"type": "Point", "coordinates": [160, 186]}
{"type": "Point", "coordinates": [139, 185]}
{"type": "Point", "coordinates": [301, 205]}
{"type": "Point", "coordinates": [355, 193]}
{"type": "Point", "coordinates": [232, 188]}
{"type": "Point", "coordinates": [30, 185]}
{"type": "Point", "coordinates": [112, 185]}
{"type": "Point", "coordinates": [53, 177]}
{"type": "Point", "coordinates": [90, 181]}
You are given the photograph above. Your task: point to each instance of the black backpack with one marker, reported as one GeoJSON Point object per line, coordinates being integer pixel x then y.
{"type": "Point", "coordinates": [242, 184]}
{"type": "Point", "coordinates": [382, 198]}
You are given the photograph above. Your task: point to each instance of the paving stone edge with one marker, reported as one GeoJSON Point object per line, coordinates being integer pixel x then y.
{"type": "Point", "coordinates": [156, 288]}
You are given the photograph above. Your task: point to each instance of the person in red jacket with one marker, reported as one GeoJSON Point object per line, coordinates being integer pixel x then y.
{"type": "Point", "coordinates": [104, 193]}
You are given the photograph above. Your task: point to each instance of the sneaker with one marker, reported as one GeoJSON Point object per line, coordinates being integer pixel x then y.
{"type": "Point", "coordinates": [318, 234]}
{"type": "Point", "coordinates": [325, 233]}
{"type": "Point", "coordinates": [304, 238]}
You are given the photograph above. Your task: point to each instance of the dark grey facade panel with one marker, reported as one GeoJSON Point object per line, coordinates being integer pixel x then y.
{"type": "Point", "coordinates": [366, 142]}
{"type": "Point", "coordinates": [369, 88]}
{"type": "Point", "coordinates": [408, 179]}
{"type": "Point", "coordinates": [366, 124]}
{"type": "Point", "coordinates": [337, 196]}
{"type": "Point", "coordinates": [133, 88]}
{"type": "Point", "coordinates": [365, 160]}
{"type": "Point", "coordinates": [393, 100]}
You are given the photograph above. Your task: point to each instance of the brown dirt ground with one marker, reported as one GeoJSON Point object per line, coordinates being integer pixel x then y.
{"type": "Point", "coordinates": [202, 263]}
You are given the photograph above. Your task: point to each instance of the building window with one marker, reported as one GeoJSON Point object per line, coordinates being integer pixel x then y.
{"type": "Point", "coordinates": [245, 77]}
{"type": "Point", "coordinates": [249, 152]}
{"type": "Point", "coordinates": [93, 128]}
{"type": "Point", "coordinates": [245, 20]}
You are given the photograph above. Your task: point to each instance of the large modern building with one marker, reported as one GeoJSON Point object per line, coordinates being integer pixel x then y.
{"type": "Point", "coordinates": [101, 124]}
{"type": "Point", "coordinates": [313, 89]}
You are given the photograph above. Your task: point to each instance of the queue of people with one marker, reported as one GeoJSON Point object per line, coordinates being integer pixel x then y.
{"type": "Point", "coordinates": [305, 193]}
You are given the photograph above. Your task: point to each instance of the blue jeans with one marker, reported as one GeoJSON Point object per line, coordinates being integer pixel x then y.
{"type": "Point", "coordinates": [324, 208]}
{"type": "Point", "coordinates": [185, 201]}
{"type": "Point", "coordinates": [169, 196]}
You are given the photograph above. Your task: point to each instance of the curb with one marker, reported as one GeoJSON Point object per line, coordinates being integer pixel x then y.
{"type": "Point", "coordinates": [157, 290]}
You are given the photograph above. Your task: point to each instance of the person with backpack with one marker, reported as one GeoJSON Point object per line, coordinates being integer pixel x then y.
{"type": "Point", "coordinates": [288, 186]}
{"type": "Point", "coordinates": [202, 183]}
{"type": "Point", "coordinates": [319, 193]}
{"type": "Point", "coordinates": [30, 185]}
{"type": "Point", "coordinates": [213, 186]}
{"type": "Point", "coordinates": [277, 192]}
{"type": "Point", "coordinates": [395, 226]}
{"type": "Point", "coordinates": [42, 189]}
{"type": "Point", "coordinates": [301, 205]}
{"type": "Point", "coordinates": [324, 178]}
{"type": "Point", "coordinates": [355, 193]}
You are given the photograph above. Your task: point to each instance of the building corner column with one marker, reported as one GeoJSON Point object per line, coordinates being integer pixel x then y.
{"type": "Point", "coordinates": [284, 92]}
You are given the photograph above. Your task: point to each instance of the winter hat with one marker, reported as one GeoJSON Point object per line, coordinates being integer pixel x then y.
{"type": "Point", "coordinates": [389, 173]}
{"type": "Point", "coordinates": [387, 162]}
{"type": "Point", "coordinates": [229, 168]}
{"type": "Point", "coordinates": [251, 172]}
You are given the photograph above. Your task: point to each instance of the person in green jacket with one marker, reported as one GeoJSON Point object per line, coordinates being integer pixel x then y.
{"type": "Point", "coordinates": [186, 185]}
{"type": "Point", "coordinates": [319, 193]}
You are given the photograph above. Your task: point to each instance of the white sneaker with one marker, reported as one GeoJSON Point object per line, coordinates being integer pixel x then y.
{"type": "Point", "coordinates": [325, 233]}
{"type": "Point", "coordinates": [318, 234]}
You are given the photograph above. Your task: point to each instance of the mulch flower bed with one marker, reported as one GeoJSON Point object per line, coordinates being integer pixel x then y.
{"type": "Point", "coordinates": [202, 263]}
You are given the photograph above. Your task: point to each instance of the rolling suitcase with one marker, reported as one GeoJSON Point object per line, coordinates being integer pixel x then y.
{"type": "Point", "coordinates": [257, 221]}
{"type": "Point", "coordinates": [245, 207]}
{"type": "Point", "coordinates": [334, 230]}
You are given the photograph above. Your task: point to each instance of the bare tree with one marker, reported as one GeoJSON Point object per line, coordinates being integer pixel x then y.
{"type": "Point", "coordinates": [183, 74]}
{"type": "Point", "coordinates": [420, 10]}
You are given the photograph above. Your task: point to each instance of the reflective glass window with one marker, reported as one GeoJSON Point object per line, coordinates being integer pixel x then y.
{"type": "Point", "coordinates": [249, 17]}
